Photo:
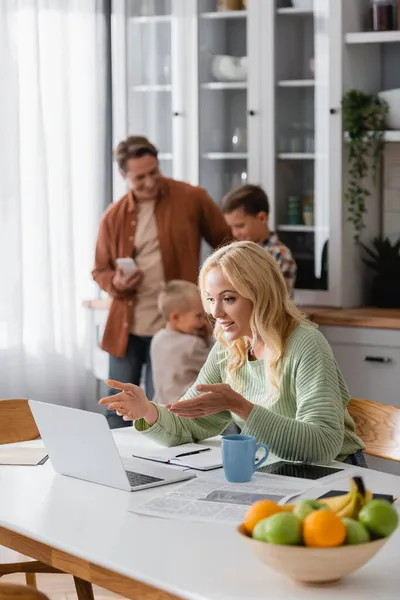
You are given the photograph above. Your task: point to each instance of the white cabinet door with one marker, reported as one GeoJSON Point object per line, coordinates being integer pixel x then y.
{"type": "Point", "coordinates": [148, 76]}
{"type": "Point", "coordinates": [369, 360]}
{"type": "Point", "coordinates": [222, 91]}
{"type": "Point", "coordinates": [308, 157]}
{"type": "Point", "coordinates": [229, 96]}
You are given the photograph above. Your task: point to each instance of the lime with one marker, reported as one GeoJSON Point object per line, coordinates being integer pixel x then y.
{"type": "Point", "coordinates": [281, 528]}
{"type": "Point", "coordinates": [356, 533]}
{"type": "Point", "coordinates": [379, 517]}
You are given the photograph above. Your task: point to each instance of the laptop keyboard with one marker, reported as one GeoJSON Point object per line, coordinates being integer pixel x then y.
{"type": "Point", "coordinates": [136, 479]}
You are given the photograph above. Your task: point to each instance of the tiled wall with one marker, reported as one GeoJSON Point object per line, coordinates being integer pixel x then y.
{"type": "Point", "coordinates": [391, 191]}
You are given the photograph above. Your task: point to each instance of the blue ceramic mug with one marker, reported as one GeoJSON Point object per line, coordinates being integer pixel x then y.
{"type": "Point", "coordinates": [239, 457]}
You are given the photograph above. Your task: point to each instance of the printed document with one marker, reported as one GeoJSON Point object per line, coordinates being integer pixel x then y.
{"type": "Point", "coordinates": [213, 498]}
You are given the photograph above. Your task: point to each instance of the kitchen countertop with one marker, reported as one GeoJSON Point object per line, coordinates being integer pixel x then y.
{"type": "Point", "coordinates": [379, 318]}
{"type": "Point", "coordinates": [364, 316]}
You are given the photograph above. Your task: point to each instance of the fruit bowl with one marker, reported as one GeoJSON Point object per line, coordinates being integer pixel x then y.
{"type": "Point", "coordinates": [313, 565]}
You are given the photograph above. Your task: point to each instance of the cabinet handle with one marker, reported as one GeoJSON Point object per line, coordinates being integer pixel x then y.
{"type": "Point", "coordinates": [176, 114]}
{"type": "Point", "coordinates": [251, 113]}
{"type": "Point", "coordinates": [333, 111]}
{"type": "Point", "coordinates": [378, 359]}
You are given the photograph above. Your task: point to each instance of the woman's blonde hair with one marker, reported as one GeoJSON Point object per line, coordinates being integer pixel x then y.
{"type": "Point", "coordinates": [255, 275]}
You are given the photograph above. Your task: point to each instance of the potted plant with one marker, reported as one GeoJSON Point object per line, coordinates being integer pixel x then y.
{"type": "Point", "coordinates": [384, 258]}
{"type": "Point", "coordinates": [364, 118]}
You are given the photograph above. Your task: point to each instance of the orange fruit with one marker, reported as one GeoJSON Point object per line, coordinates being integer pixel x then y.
{"type": "Point", "coordinates": [258, 511]}
{"type": "Point", "coordinates": [323, 529]}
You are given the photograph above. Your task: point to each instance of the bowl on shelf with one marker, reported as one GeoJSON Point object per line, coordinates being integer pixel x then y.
{"type": "Point", "coordinates": [312, 565]}
{"type": "Point", "coordinates": [229, 68]}
{"type": "Point", "coordinates": [392, 97]}
{"type": "Point", "coordinates": [303, 4]}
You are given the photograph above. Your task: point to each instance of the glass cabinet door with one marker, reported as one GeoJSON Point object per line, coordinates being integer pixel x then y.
{"type": "Point", "coordinates": [222, 108]}
{"type": "Point", "coordinates": [303, 138]}
{"type": "Point", "coordinates": [149, 75]}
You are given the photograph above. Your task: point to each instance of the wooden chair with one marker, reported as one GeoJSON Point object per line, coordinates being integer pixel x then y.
{"type": "Point", "coordinates": [378, 425]}
{"type": "Point", "coordinates": [18, 425]}
{"type": "Point", "coordinates": [11, 591]}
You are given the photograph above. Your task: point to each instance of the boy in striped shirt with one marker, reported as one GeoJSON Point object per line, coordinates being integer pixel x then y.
{"type": "Point", "coordinates": [246, 211]}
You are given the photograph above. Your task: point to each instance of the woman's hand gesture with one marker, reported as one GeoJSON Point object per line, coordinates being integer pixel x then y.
{"type": "Point", "coordinates": [131, 403]}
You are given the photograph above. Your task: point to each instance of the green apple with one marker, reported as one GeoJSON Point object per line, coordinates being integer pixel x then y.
{"type": "Point", "coordinates": [306, 507]}
{"type": "Point", "coordinates": [258, 531]}
{"type": "Point", "coordinates": [281, 528]}
{"type": "Point", "coordinates": [356, 532]}
{"type": "Point", "coordinates": [379, 517]}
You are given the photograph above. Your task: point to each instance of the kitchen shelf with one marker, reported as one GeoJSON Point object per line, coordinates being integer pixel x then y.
{"type": "Point", "coordinates": [294, 11]}
{"type": "Point", "coordinates": [372, 37]}
{"type": "Point", "coordinates": [298, 228]}
{"type": "Point", "coordinates": [224, 14]}
{"type": "Point", "coordinates": [296, 83]}
{"type": "Point", "coordinates": [152, 88]}
{"type": "Point", "coordinates": [224, 85]}
{"type": "Point", "coordinates": [391, 136]}
{"type": "Point", "coordinates": [296, 156]}
{"type": "Point", "coordinates": [225, 155]}
{"type": "Point", "coordinates": [151, 19]}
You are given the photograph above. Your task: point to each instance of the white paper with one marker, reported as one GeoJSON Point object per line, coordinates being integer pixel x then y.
{"type": "Point", "coordinates": [212, 498]}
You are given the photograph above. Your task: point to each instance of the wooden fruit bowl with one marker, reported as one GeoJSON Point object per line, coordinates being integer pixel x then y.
{"type": "Point", "coordinates": [313, 565]}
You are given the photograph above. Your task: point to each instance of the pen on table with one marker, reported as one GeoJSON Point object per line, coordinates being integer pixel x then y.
{"type": "Point", "coordinates": [194, 452]}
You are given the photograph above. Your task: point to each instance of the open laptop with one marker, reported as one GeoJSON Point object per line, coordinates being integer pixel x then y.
{"type": "Point", "coordinates": [80, 444]}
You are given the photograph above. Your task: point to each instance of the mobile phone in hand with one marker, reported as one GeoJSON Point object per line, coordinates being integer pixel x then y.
{"type": "Point", "coordinates": [127, 265]}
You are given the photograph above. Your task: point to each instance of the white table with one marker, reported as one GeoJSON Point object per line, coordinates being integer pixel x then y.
{"type": "Point", "coordinates": [194, 561]}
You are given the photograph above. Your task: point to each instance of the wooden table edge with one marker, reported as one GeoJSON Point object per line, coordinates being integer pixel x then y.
{"type": "Point", "coordinates": [82, 568]}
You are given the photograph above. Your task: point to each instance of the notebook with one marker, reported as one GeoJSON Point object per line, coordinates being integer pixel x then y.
{"type": "Point", "coordinates": [191, 456]}
{"type": "Point", "coordinates": [14, 455]}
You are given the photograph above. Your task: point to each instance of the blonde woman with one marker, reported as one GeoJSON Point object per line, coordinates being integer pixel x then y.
{"type": "Point", "coordinates": [271, 371]}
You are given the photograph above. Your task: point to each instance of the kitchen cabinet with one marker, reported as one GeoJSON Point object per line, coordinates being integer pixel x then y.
{"type": "Point", "coordinates": [188, 76]}
{"type": "Point", "coordinates": [369, 360]}
{"type": "Point", "coordinates": [254, 95]}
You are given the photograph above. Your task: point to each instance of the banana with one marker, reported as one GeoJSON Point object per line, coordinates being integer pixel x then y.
{"type": "Point", "coordinates": [345, 505]}
{"type": "Point", "coordinates": [351, 507]}
{"type": "Point", "coordinates": [337, 503]}
{"type": "Point", "coordinates": [350, 504]}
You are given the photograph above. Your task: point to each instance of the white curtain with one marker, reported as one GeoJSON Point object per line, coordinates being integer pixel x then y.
{"type": "Point", "coordinates": [53, 188]}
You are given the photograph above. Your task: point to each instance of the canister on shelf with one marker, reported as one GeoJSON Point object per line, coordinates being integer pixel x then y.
{"type": "Point", "coordinates": [293, 210]}
{"type": "Point", "coordinates": [381, 15]}
{"type": "Point", "coordinates": [229, 5]}
{"type": "Point", "coordinates": [308, 209]}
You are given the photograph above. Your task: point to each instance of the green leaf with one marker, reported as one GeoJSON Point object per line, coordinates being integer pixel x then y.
{"type": "Point", "coordinates": [364, 118]}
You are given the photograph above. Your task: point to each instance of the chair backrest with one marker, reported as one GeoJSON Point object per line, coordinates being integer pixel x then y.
{"type": "Point", "coordinates": [16, 422]}
{"type": "Point", "coordinates": [378, 425]}
{"type": "Point", "coordinates": [12, 591]}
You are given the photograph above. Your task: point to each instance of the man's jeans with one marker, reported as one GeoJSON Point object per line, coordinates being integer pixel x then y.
{"type": "Point", "coordinates": [129, 370]}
